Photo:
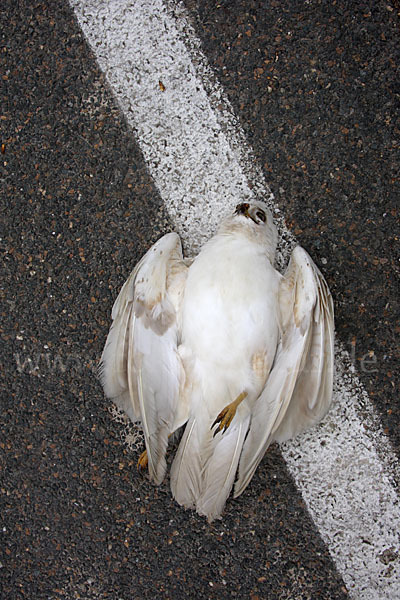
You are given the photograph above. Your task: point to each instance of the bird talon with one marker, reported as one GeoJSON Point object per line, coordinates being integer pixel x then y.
{"type": "Point", "coordinates": [227, 414]}
{"type": "Point", "coordinates": [142, 462]}
{"type": "Point", "coordinates": [219, 419]}
{"type": "Point", "coordinates": [224, 419]}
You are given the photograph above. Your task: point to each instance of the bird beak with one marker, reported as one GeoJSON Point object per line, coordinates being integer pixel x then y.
{"type": "Point", "coordinates": [243, 209]}
{"type": "Point", "coordinates": [248, 212]}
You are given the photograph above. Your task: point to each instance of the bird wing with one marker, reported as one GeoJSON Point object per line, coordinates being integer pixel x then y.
{"type": "Point", "coordinates": [140, 368]}
{"type": "Point", "coordinates": [298, 391]}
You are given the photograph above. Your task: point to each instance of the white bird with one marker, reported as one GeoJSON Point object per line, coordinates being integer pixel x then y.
{"type": "Point", "coordinates": [225, 345]}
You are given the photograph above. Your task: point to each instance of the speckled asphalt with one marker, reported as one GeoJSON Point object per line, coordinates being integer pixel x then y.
{"type": "Point", "coordinates": [316, 88]}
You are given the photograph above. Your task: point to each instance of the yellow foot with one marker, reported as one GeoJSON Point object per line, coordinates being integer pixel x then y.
{"type": "Point", "coordinates": [226, 415]}
{"type": "Point", "coordinates": [142, 461]}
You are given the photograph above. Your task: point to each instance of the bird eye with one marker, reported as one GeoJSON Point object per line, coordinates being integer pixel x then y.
{"type": "Point", "coordinates": [261, 215]}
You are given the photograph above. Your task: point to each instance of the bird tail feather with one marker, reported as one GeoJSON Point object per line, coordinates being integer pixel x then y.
{"type": "Point", "coordinates": [205, 466]}
{"type": "Point", "coordinates": [186, 470]}
{"type": "Point", "coordinates": [220, 470]}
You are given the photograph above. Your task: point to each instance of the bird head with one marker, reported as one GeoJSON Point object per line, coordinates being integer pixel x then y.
{"type": "Point", "coordinates": [254, 211]}
{"type": "Point", "coordinates": [254, 221]}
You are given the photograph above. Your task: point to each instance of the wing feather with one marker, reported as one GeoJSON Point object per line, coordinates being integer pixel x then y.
{"type": "Point", "coordinates": [140, 368]}
{"type": "Point", "coordinates": [298, 391]}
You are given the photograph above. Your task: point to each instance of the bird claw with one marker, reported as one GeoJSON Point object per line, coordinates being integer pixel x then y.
{"type": "Point", "coordinates": [226, 415]}
{"type": "Point", "coordinates": [142, 462]}
{"type": "Point", "coordinates": [224, 419]}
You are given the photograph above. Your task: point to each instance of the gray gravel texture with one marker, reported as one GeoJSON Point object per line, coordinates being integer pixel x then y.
{"type": "Point", "coordinates": [77, 521]}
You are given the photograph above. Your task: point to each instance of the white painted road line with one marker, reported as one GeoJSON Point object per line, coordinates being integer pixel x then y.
{"type": "Point", "coordinates": [198, 158]}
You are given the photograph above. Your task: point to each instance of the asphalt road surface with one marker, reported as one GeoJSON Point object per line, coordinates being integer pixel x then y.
{"type": "Point", "coordinates": [314, 93]}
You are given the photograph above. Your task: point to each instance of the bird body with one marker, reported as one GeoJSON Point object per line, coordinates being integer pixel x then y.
{"type": "Point", "coordinates": [220, 346]}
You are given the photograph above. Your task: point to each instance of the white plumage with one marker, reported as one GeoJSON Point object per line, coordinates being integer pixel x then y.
{"type": "Point", "coordinates": [225, 345]}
